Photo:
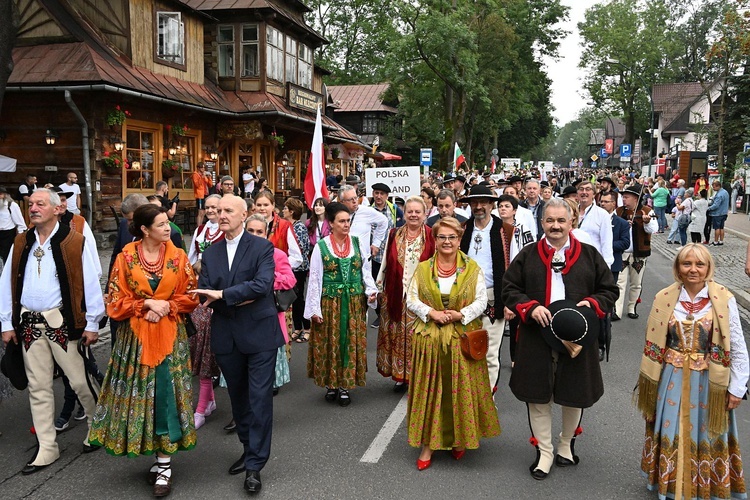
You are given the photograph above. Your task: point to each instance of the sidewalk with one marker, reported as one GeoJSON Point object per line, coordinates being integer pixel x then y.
{"type": "Point", "coordinates": [729, 258]}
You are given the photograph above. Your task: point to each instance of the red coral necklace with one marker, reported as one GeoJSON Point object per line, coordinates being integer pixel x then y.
{"type": "Point", "coordinates": [152, 267]}
{"type": "Point", "coordinates": [693, 308]}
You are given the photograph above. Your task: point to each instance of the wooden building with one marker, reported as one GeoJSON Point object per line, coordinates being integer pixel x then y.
{"type": "Point", "coordinates": [143, 90]}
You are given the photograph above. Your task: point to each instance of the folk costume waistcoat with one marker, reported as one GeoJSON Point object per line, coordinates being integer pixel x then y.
{"type": "Point", "coordinates": [67, 252]}
{"type": "Point", "coordinates": [641, 239]}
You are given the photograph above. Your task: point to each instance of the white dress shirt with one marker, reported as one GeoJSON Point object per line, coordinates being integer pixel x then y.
{"type": "Point", "coordinates": [11, 216]}
{"type": "Point", "coordinates": [370, 226]}
{"type": "Point", "coordinates": [41, 287]}
{"type": "Point", "coordinates": [315, 281]}
{"type": "Point", "coordinates": [89, 246]}
{"type": "Point", "coordinates": [232, 245]}
{"type": "Point", "coordinates": [525, 218]}
{"type": "Point", "coordinates": [482, 252]}
{"type": "Point", "coordinates": [598, 224]}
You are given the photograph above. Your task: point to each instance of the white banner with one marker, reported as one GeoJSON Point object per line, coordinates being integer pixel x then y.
{"type": "Point", "coordinates": [403, 181]}
{"type": "Point", "coordinates": [7, 164]}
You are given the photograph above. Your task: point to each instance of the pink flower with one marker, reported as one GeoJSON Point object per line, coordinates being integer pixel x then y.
{"type": "Point", "coordinates": [117, 162]}
{"type": "Point", "coordinates": [117, 107]}
{"type": "Point", "coordinates": [127, 113]}
{"type": "Point", "coordinates": [169, 127]}
{"type": "Point", "coordinates": [106, 153]}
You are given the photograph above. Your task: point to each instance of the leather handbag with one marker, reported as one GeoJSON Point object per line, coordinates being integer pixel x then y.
{"type": "Point", "coordinates": [284, 299]}
{"type": "Point", "coordinates": [474, 344]}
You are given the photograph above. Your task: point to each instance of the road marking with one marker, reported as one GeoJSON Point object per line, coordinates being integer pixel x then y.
{"type": "Point", "coordinates": [381, 441]}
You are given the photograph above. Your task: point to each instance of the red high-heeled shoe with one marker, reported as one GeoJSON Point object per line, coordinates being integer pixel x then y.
{"type": "Point", "coordinates": [424, 464]}
{"type": "Point", "coordinates": [458, 454]}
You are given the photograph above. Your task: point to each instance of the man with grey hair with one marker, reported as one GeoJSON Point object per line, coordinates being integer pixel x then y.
{"type": "Point", "coordinates": [534, 203]}
{"type": "Point", "coordinates": [51, 305]}
{"type": "Point", "coordinates": [556, 268]}
{"type": "Point", "coordinates": [11, 223]}
{"type": "Point", "coordinates": [369, 225]}
{"type": "Point", "coordinates": [446, 205]}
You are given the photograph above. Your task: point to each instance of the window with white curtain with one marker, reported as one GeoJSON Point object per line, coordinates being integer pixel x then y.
{"type": "Point", "coordinates": [305, 66]}
{"type": "Point", "coordinates": [274, 54]}
{"type": "Point", "coordinates": [170, 37]}
{"type": "Point", "coordinates": [291, 59]}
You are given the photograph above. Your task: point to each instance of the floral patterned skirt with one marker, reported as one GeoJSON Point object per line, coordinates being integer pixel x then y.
{"type": "Point", "coordinates": [324, 354]}
{"type": "Point", "coordinates": [201, 356]}
{"type": "Point", "coordinates": [125, 422]}
{"type": "Point", "coordinates": [715, 464]}
{"type": "Point", "coordinates": [394, 343]}
{"type": "Point", "coordinates": [450, 399]}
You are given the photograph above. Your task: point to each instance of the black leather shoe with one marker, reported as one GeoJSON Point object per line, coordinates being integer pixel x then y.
{"type": "Point", "coordinates": [561, 461]}
{"type": "Point", "coordinates": [88, 448]}
{"type": "Point", "coordinates": [633, 315]}
{"type": "Point", "coordinates": [238, 466]}
{"type": "Point", "coordinates": [31, 469]}
{"type": "Point", "coordinates": [539, 474]}
{"type": "Point", "coordinates": [615, 317]}
{"type": "Point", "coordinates": [252, 481]}
{"type": "Point", "coordinates": [231, 426]}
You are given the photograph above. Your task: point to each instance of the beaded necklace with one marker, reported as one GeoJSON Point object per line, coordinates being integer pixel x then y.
{"type": "Point", "coordinates": [152, 267]}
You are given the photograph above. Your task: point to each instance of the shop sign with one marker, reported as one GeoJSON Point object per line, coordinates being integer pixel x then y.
{"type": "Point", "coordinates": [403, 181]}
{"type": "Point", "coordinates": [301, 98]}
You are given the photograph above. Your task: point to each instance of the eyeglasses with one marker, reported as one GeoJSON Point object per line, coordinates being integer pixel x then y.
{"type": "Point", "coordinates": [442, 238]}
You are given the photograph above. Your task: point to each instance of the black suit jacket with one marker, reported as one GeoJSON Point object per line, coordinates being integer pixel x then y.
{"type": "Point", "coordinates": [539, 213]}
{"type": "Point", "coordinates": [432, 220]}
{"type": "Point", "coordinates": [620, 241]}
{"type": "Point", "coordinates": [251, 327]}
{"type": "Point", "coordinates": [498, 256]}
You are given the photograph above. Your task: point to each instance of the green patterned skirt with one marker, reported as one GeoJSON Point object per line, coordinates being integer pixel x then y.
{"type": "Point", "coordinates": [144, 410]}
{"type": "Point", "coordinates": [450, 399]}
{"type": "Point", "coordinates": [324, 355]}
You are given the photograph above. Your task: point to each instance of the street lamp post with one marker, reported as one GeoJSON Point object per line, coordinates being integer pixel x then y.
{"type": "Point", "coordinates": [650, 100]}
{"type": "Point", "coordinates": [611, 122]}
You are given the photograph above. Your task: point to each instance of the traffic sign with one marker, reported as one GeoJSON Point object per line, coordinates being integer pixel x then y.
{"type": "Point", "coordinates": [747, 153]}
{"type": "Point", "coordinates": [603, 153]}
{"type": "Point", "coordinates": [608, 146]}
{"type": "Point", "coordinates": [425, 157]}
{"type": "Point", "coordinates": [594, 157]}
{"type": "Point", "coordinates": [625, 150]}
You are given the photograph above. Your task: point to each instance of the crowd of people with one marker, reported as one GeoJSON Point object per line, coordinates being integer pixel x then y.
{"type": "Point", "coordinates": [549, 261]}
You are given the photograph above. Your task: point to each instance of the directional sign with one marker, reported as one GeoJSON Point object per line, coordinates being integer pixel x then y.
{"type": "Point", "coordinates": [625, 150]}
{"type": "Point", "coordinates": [425, 157]}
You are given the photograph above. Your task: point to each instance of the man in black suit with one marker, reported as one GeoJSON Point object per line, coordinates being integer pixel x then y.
{"type": "Point", "coordinates": [620, 243]}
{"type": "Point", "coordinates": [237, 282]}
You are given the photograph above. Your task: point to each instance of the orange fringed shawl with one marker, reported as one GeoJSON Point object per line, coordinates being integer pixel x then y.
{"type": "Point", "coordinates": [129, 288]}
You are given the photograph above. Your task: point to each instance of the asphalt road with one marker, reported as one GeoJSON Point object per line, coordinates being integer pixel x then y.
{"type": "Point", "coordinates": [318, 446]}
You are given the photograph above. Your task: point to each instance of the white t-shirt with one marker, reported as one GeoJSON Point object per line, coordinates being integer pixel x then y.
{"type": "Point", "coordinates": [72, 200]}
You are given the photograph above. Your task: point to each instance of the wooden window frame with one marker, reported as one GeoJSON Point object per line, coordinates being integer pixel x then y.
{"type": "Point", "coordinates": [156, 130]}
{"type": "Point", "coordinates": [159, 60]}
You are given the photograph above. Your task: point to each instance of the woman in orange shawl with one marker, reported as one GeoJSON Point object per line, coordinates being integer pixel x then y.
{"type": "Point", "coordinates": [146, 401]}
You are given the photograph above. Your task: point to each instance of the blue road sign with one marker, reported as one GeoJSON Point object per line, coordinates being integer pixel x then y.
{"type": "Point", "coordinates": [747, 153]}
{"type": "Point", "coordinates": [625, 150]}
{"type": "Point", "coordinates": [425, 157]}
{"type": "Point", "coordinates": [603, 153]}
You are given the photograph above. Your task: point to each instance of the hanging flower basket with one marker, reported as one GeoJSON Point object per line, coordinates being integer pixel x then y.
{"type": "Point", "coordinates": [117, 116]}
{"type": "Point", "coordinates": [178, 130]}
{"type": "Point", "coordinates": [113, 163]}
{"type": "Point", "coordinates": [170, 168]}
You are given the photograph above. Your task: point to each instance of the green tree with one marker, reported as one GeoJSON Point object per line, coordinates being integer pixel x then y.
{"type": "Point", "coordinates": [702, 23]}
{"type": "Point", "coordinates": [640, 37]}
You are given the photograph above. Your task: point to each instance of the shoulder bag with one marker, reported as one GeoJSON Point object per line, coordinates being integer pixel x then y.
{"type": "Point", "coordinates": [284, 299]}
{"type": "Point", "coordinates": [474, 344]}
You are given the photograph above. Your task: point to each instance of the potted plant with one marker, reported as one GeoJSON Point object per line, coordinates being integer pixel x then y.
{"type": "Point", "coordinates": [178, 130]}
{"type": "Point", "coordinates": [117, 116]}
{"type": "Point", "coordinates": [335, 153]}
{"type": "Point", "coordinates": [169, 168]}
{"type": "Point", "coordinates": [113, 162]}
{"type": "Point", "coordinates": [277, 139]}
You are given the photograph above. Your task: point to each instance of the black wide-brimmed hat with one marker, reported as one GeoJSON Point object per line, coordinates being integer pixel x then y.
{"type": "Point", "coordinates": [449, 178]}
{"type": "Point", "coordinates": [569, 190]}
{"type": "Point", "coordinates": [572, 328]}
{"type": "Point", "coordinates": [352, 180]}
{"type": "Point", "coordinates": [611, 181]}
{"type": "Point", "coordinates": [515, 178]}
{"type": "Point", "coordinates": [379, 186]}
{"type": "Point", "coordinates": [635, 190]}
{"type": "Point", "coordinates": [461, 178]}
{"type": "Point", "coordinates": [12, 366]}
{"type": "Point", "coordinates": [479, 191]}
{"type": "Point", "coordinates": [61, 192]}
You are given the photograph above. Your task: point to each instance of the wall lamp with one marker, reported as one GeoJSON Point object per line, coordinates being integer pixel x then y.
{"type": "Point", "coordinates": [50, 137]}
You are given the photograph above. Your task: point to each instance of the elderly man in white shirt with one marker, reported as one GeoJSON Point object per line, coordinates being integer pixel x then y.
{"type": "Point", "coordinates": [369, 225]}
{"type": "Point", "coordinates": [42, 292]}
{"type": "Point", "coordinates": [595, 221]}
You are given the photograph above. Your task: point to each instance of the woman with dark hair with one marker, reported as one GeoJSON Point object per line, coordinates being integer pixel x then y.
{"type": "Point", "coordinates": [292, 212]}
{"type": "Point", "coordinates": [280, 231]}
{"type": "Point", "coordinates": [428, 195]}
{"type": "Point", "coordinates": [146, 402]}
{"type": "Point", "coordinates": [338, 293]}
{"type": "Point", "coordinates": [261, 186]}
{"type": "Point", "coordinates": [693, 375]}
{"type": "Point", "coordinates": [317, 225]}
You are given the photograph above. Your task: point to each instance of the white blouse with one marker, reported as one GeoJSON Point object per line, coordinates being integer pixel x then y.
{"type": "Point", "coordinates": [315, 281]}
{"type": "Point", "coordinates": [470, 312]}
{"type": "Point", "coordinates": [210, 227]}
{"type": "Point", "coordinates": [739, 370]}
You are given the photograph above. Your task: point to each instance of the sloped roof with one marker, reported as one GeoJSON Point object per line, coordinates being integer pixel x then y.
{"type": "Point", "coordinates": [671, 99]}
{"type": "Point", "coordinates": [357, 98]}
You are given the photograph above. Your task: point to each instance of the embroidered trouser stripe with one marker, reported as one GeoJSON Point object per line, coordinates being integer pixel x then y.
{"type": "Point", "coordinates": [40, 360]}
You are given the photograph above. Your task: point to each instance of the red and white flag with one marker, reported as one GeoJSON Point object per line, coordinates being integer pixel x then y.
{"type": "Point", "coordinates": [458, 157]}
{"type": "Point", "coordinates": [494, 165]}
{"type": "Point", "coordinates": [315, 180]}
